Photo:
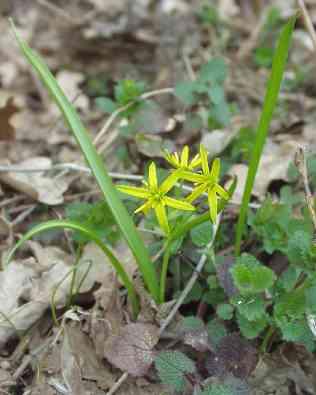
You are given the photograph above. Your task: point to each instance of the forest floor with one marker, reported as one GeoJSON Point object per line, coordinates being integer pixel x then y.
{"type": "Point", "coordinates": [92, 47]}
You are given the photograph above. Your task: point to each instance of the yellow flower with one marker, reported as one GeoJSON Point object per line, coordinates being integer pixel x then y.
{"type": "Point", "coordinates": [207, 182]}
{"type": "Point", "coordinates": [156, 198]}
{"type": "Point", "coordinates": [182, 162]}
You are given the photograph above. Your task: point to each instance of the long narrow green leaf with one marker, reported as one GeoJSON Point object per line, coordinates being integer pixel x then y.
{"type": "Point", "coordinates": [270, 101]}
{"type": "Point", "coordinates": [98, 169]}
{"type": "Point", "coordinates": [63, 224]}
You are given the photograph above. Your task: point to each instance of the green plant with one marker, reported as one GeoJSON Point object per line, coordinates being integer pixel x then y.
{"type": "Point", "coordinates": [98, 169]}
{"type": "Point", "coordinates": [208, 91]}
{"type": "Point", "coordinates": [156, 198]}
{"type": "Point", "coordinates": [273, 87]}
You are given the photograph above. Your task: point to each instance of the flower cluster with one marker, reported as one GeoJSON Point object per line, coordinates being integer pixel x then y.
{"type": "Point", "coordinates": [197, 171]}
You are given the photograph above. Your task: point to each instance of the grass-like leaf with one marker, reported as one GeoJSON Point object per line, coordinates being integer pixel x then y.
{"type": "Point", "coordinates": [91, 235]}
{"type": "Point", "coordinates": [270, 101]}
{"type": "Point", "coordinates": [97, 167]}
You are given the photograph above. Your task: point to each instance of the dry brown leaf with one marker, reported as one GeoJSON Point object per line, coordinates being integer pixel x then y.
{"type": "Point", "coordinates": [36, 185]}
{"type": "Point", "coordinates": [70, 82]}
{"type": "Point", "coordinates": [216, 141]}
{"type": "Point", "coordinates": [273, 165]}
{"type": "Point", "coordinates": [70, 367]}
{"type": "Point", "coordinates": [7, 131]}
{"type": "Point", "coordinates": [34, 281]}
{"type": "Point", "coordinates": [132, 350]}
{"type": "Point", "coordinates": [239, 170]}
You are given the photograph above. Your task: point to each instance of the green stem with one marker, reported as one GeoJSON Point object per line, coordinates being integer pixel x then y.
{"type": "Point", "coordinates": [270, 332]}
{"type": "Point", "coordinates": [164, 271]}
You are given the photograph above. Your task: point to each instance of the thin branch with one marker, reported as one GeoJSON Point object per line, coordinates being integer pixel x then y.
{"type": "Point", "coordinates": [117, 385]}
{"type": "Point", "coordinates": [191, 282]}
{"type": "Point", "coordinates": [84, 169]}
{"type": "Point", "coordinates": [307, 21]}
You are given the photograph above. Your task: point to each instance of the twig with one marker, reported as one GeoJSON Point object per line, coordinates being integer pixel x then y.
{"type": "Point", "coordinates": [117, 112]}
{"type": "Point", "coordinates": [117, 385]}
{"type": "Point", "coordinates": [301, 164]}
{"type": "Point", "coordinates": [191, 282]}
{"type": "Point", "coordinates": [307, 21]}
{"type": "Point", "coordinates": [59, 11]}
{"type": "Point", "coordinates": [84, 169]}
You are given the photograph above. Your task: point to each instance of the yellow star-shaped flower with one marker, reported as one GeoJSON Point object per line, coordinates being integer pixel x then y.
{"type": "Point", "coordinates": [182, 162]}
{"type": "Point", "coordinates": [207, 182]}
{"type": "Point", "coordinates": [156, 198]}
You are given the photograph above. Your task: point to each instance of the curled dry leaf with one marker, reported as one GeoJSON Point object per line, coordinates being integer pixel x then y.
{"type": "Point", "coordinates": [216, 141]}
{"type": "Point", "coordinates": [38, 186]}
{"type": "Point", "coordinates": [274, 164]}
{"type": "Point", "coordinates": [132, 349]}
{"type": "Point", "coordinates": [33, 281]}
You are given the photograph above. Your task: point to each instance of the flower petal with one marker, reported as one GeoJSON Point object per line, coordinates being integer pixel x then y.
{"type": "Point", "coordinates": [178, 204]}
{"type": "Point", "coordinates": [144, 207]}
{"type": "Point", "coordinates": [152, 176]}
{"type": "Point", "coordinates": [162, 218]}
{"type": "Point", "coordinates": [185, 157]}
{"type": "Point", "coordinates": [190, 176]}
{"type": "Point", "coordinates": [216, 168]}
{"type": "Point", "coordinates": [204, 161]}
{"type": "Point", "coordinates": [141, 193]}
{"type": "Point", "coordinates": [170, 181]}
{"type": "Point", "coordinates": [198, 191]}
{"type": "Point", "coordinates": [212, 202]}
{"type": "Point", "coordinates": [221, 192]}
{"type": "Point", "coordinates": [195, 162]}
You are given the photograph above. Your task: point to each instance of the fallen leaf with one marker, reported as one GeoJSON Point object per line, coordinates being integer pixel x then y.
{"type": "Point", "coordinates": [153, 146]}
{"type": "Point", "coordinates": [42, 188]}
{"type": "Point", "coordinates": [132, 350]}
{"type": "Point", "coordinates": [70, 82]}
{"type": "Point", "coordinates": [274, 163]}
{"type": "Point", "coordinates": [7, 131]}
{"type": "Point", "coordinates": [33, 281]}
{"type": "Point", "coordinates": [239, 170]}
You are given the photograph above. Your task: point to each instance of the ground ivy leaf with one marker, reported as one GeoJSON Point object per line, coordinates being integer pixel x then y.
{"type": "Point", "coordinates": [185, 91]}
{"type": "Point", "coordinates": [252, 307]}
{"type": "Point", "coordinates": [250, 276]}
{"type": "Point", "coordinates": [172, 367]}
{"type": "Point", "coordinates": [225, 311]}
{"type": "Point", "coordinates": [251, 329]}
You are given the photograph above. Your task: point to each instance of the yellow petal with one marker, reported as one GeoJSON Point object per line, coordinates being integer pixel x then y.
{"type": "Point", "coordinates": [176, 158]}
{"type": "Point", "coordinates": [178, 204]}
{"type": "Point", "coordinates": [134, 191]}
{"type": "Point", "coordinates": [198, 191]}
{"type": "Point", "coordinates": [204, 161]}
{"type": "Point", "coordinates": [152, 176]}
{"type": "Point", "coordinates": [196, 161]}
{"type": "Point", "coordinates": [162, 218]}
{"type": "Point", "coordinates": [185, 157]}
{"type": "Point", "coordinates": [212, 202]}
{"type": "Point", "coordinates": [170, 159]}
{"type": "Point", "coordinates": [216, 168]}
{"type": "Point", "coordinates": [170, 181]}
{"type": "Point", "coordinates": [190, 176]}
{"type": "Point", "coordinates": [144, 207]}
{"type": "Point", "coordinates": [221, 192]}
